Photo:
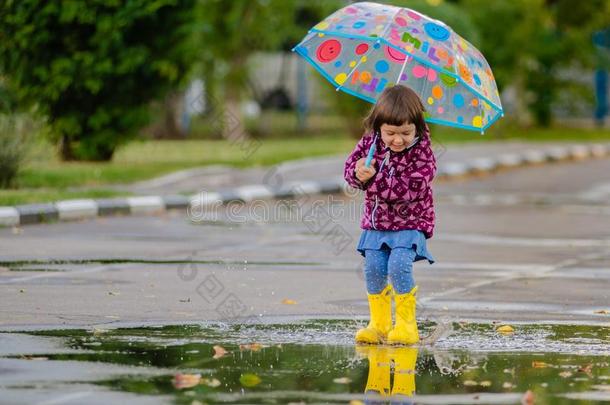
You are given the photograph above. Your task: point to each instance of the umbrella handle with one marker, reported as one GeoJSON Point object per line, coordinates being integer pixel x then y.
{"type": "Point", "coordinates": [371, 153]}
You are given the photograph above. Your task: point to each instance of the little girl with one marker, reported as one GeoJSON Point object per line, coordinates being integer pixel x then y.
{"type": "Point", "coordinates": [398, 213]}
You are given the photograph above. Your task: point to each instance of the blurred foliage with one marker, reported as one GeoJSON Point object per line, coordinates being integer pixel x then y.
{"type": "Point", "coordinates": [528, 43]}
{"type": "Point", "coordinates": [14, 145]}
{"type": "Point", "coordinates": [233, 30]}
{"type": "Point", "coordinates": [8, 103]}
{"type": "Point", "coordinates": [92, 67]}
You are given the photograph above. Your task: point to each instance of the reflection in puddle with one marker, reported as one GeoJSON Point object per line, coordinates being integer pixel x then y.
{"type": "Point", "coordinates": [316, 362]}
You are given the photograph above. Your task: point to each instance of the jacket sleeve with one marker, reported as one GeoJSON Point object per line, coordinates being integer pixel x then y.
{"type": "Point", "coordinates": [360, 151]}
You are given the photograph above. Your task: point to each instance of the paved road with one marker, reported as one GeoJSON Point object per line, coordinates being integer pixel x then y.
{"type": "Point", "coordinates": [530, 244]}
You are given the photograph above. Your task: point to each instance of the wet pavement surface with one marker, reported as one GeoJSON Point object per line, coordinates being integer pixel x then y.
{"type": "Point", "coordinates": [529, 247]}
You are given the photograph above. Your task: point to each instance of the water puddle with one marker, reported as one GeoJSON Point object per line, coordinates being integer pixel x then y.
{"type": "Point", "coordinates": [310, 362]}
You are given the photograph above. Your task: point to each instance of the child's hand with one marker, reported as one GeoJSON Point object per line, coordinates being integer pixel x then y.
{"type": "Point", "coordinates": [364, 173]}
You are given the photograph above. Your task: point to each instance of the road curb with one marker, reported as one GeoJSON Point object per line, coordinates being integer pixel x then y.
{"type": "Point", "coordinates": [67, 210]}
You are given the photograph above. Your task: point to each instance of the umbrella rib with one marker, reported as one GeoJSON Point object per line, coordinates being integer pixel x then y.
{"type": "Point", "coordinates": [402, 69]}
{"type": "Point", "coordinates": [369, 50]}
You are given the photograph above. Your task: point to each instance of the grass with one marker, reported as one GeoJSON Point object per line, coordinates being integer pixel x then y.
{"type": "Point", "coordinates": [145, 159]}
{"type": "Point", "coordinates": [27, 196]}
{"type": "Point", "coordinates": [45, 178]}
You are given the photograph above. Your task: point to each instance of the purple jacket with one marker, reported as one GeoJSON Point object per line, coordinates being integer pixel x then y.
{"type": "Point", "coordinates": [399, 196]}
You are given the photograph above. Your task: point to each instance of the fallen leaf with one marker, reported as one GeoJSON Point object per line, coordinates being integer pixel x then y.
{"type": "Point", "coordinates": [505, 329]}
{"type": "Point", "coordinates": [181, 381]}
{"type": "Point", "coordinates": [114, 293]}
{"type": "Point", "coordinates": [528, 398]}
{"type": "Point", "coordinates": [211, 382]}
{"type": "Point", "coordinates": [586, 369]}
{"type": "Point", "coordinates": [219, 351]}
{"type": "Point", "coordinates": [255, 347]}
{"type": "Point", "coordinates": [539, 364]}
{"type": "Point", "coordinates": [40, 358]}
{"type": "Point", "coordinates": [342, 380]}
{"type": "Point", "coordinates": [602, 311]}
{"type": "Point", "coordinates": [249, 380]}
{"type": "Point", "coordinates": [288, 301]}
{"type": "Point", "coordinates": [356, 402]}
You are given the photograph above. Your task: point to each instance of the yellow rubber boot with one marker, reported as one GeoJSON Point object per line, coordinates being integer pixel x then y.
{"type": "Point", "coordinates": [405, 359]}
{"type": "Point", "coordinates": [378, 380]}
{"type": "Point", "coordinates": [380, 306]}
{"type": "Point", "coordinates": [405, 329]}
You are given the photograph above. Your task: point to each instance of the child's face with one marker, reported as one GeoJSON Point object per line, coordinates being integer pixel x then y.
{"type": "Point", "coordinates": [398, 138]}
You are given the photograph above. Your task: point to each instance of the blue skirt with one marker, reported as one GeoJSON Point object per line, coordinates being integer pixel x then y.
{"type": "Point", "coordinates": [409, 238]}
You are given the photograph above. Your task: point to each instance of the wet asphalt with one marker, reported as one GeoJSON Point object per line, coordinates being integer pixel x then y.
{"type": "Point", "coordinates": [528, 244]}
{"type": "Point", "coordinates": [529, 247]}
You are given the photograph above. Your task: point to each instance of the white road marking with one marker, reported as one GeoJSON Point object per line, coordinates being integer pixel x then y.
{"type": "Point", "coordinates": [599, 192]}
{"type": "Point", "coordinates": [534, 274]}
{"type": "Point", "coordinates": [95, 269]}
{"type": "Point", "coordinates": [481, 239]}
{"type": "Point", "coordinates": [66, 398]}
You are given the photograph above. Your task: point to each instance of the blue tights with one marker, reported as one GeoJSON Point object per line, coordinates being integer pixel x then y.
{"type": "Point", "coordinates": [397, 263]}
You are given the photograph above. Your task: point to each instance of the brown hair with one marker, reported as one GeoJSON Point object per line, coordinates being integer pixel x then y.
{"type": "Point", "coordinates": [395, 106]}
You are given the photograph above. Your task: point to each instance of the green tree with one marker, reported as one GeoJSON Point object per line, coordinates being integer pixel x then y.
{"type": "Point", "coordinates": [529, 42]}
{"type": "Point", "coordinates": [93, 67]}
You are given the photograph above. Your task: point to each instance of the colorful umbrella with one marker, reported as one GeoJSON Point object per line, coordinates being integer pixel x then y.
{"type": "Point", "coordinates": [366, 47]}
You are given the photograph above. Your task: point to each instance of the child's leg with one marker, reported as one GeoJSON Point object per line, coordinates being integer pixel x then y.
{"type": "Point", "coordinates": [400, 269]}
{"type": "Point", "coordinates": [379, 297]}
{"type": "Point", "coordinates": [376, 270]}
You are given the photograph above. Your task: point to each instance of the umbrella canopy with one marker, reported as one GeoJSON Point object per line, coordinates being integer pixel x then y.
{"type": "Point", "coordinates": [366, 47]}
